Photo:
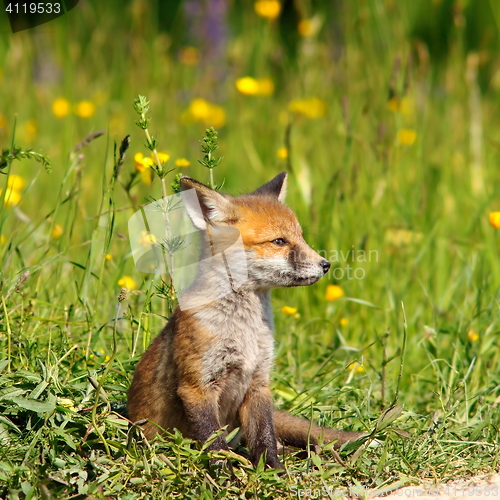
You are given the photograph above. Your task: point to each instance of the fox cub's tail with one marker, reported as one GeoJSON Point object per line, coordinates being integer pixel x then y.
{"type": "Point", "coordinates": [299, 432]}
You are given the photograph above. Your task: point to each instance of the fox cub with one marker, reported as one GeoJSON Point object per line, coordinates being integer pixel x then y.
{"type": "Point", "coordinates": [210, 366]}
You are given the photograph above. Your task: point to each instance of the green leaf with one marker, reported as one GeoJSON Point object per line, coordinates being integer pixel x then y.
{"type": "Point", "coordinates": [11, 392]}
{"type": "Point", "coordinates": [33, 377]}
{"type": "Point", "coordinates": [3, 364]}
{"type": "Point", "coordinates": [9, 423]}
{"type": "Point", "coordinates": [35, 393]}
{"type": "Point", "coordinates": [65, 437]}
{"type": "Point", "coordinates": [359, 301]}
{"type": "Point", "coordinates": [35, 405]}
{"type": "Point", "coordinates": [389, 416]}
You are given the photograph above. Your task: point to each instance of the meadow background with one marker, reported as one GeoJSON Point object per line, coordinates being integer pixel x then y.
{"type": "Point", "coordinates": [384, 113]}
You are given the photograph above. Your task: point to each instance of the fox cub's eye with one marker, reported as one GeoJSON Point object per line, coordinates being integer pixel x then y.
{"type": "Point", "coordinates": [280, 241]}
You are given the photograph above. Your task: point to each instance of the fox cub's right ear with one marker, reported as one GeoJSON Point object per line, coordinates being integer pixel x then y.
{"type": "Point", "coordinates": [215, 207]}
{"type": "Point", "coordinates": [275, 187]}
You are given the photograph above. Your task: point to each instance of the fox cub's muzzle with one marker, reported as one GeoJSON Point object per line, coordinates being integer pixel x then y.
{"type": "Point", "coordinates": [325, 265]}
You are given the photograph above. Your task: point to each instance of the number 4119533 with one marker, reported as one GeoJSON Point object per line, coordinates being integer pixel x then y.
{"type": "Point", "coordinates": [33, 8]}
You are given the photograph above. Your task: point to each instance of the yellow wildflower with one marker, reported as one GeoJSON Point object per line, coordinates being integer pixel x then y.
{"type": "Point", "coordinates": [268, 9]}
{"type": "Point", "coordinates": [472, 335]}
{"type": "Point", "coordinates": [127, 282]}
{"type": "Point", "coordinates": [333, 292]}
{"type": "Point", "coordinates": [66, 403]}
{"type": "Point", "coordinates": [190, 56]}
{"type": "Point", "coordinates": [282, 153]}
{"type": "Point", "coordinates": [200, 109]}
{"type": "Point", "coordinates": [2, 239]}
{"type": "Point", "coordinates": [495, 219]}
{"type": "Point", "coordinates": [12, 197]}
{"type": "Point", "coordinates": [247, 85]}
{"type": "Point", "coordinates": [146, 239]}
{"type": "Point", "coordinates": [289, 311]}
{"type": "Point", "coordinates": [3, 122]}
{"type": "Point", "coordinates": [182, 162]}
{"type": "Point", "coordinates": [141, 162]}
{"type": "Point", "coordinates": [163, 157]}
{"type": "Point", "coordinates": [85, 109]}
{"type": "Point", "coordinates": [218, 117]}
{"type": "Point", "coordinates": [307, 28]}
{"type": "Point", "coordinates": [344, 322]}
{"type": "Point", "coordinates": [203, 111]}
{"type": "Point", "coordinates": [312, 108]}
{"type": "Point", "coordinates": [100, 353]}
{"type": "Point", "coordinates": [61, 107]}
{"type": "Point", "coordinates": [406, 136]}
{"type": "Point", "coordinates": [356, 366]}
{"type": "Point", "coordinates": [108, 256]}
{"type": "Point", "coordinates": [15, 182]}
{"type": "Point", "coordinates": [404, 105]}
{"type": "Point", "coordinates": [147, 176]}
{"type": "Point", "coordinates": [252, 86]}
{"type": "Point", "coordinates": [57, 231]}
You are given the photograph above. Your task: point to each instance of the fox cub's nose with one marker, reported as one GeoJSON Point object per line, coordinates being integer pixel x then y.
{"type": "Point", "coordinates": [325, 265]}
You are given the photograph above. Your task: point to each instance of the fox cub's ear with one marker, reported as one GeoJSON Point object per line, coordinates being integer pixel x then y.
{"type": "Point", "coordinates": [275, 187]}
{"type": "Point", "coordinates": [215, 208]}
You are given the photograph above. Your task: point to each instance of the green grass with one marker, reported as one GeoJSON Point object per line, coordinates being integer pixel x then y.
{"type": "Point", "coordinates": [68, 346]}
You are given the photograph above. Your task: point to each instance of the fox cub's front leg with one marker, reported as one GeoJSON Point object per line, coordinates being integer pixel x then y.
{"type": "Point", "coordinates": [202, 413]}
{"type": "Point", "coordinates": [256, 417]}
{"type": "Point", "coordinates": [255, 413]}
